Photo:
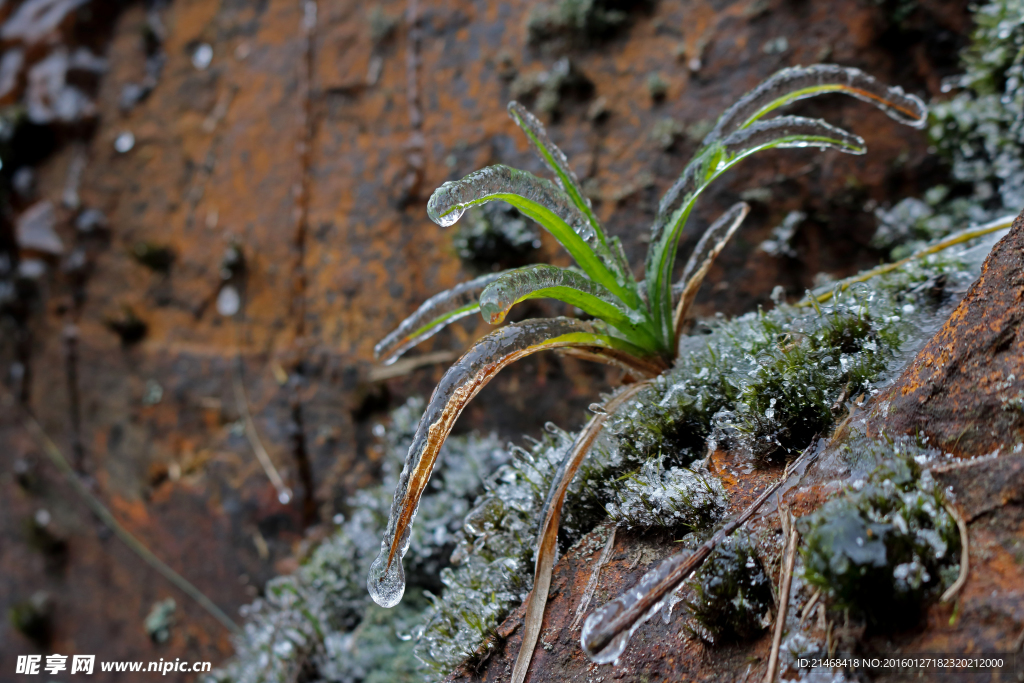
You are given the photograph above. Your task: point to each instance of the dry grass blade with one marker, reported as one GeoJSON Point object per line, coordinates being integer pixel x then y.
{"type": "Point", "coordinates": [959, 238]}
{"type": "Point", "coordinates": [780, 619]}
{"type": "Point", "coordinates": [548, 540]}
{"type": "Point", "coordinates": [810, 606]}
{"type": "Point", "coordinates": [707, 250]}
{"type": "Point", "coordinates": [588, 592]}
{"type": "Point", "coordinates": [284, 494]}
{"type": "Point", "coordinates": [105, 516]}
{"type": "Point", "coordinates": [965, 555]}
{"type": "Point", "coordinates": [408, 365]}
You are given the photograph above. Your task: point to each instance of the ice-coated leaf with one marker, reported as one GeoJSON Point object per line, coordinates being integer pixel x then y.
{"type": "Point", "coordinates": [556, 160]}
{"type": "Point", "coordinates": [547, 540]}
{"type": "Point", "coordinates": [538, 199]}
{"type": "Point", "coordinates": [433, 316]}
{"type": "Point", "coordinates": [675, 207]}
{"type": "Point", "coordinates": [386, 580]}
{"type": "Point", "coordinates": [544, 281]}
{"type": "Point", "coordinates": [798, 82]}
{"type": "Point", "coordinates": [704, 254]}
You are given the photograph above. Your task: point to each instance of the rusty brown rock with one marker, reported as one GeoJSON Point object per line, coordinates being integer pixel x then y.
{"type": "Point", "coordinates": [965, 389]}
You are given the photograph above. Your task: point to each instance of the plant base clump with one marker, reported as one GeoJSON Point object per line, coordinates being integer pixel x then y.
{"type": "Point", "coordinates": [884, 546]}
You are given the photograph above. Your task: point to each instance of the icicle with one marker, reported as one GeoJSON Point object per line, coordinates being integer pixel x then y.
{"type": "Point", "coordinates": [606, 614]}
{"type": "Point", "coordinates": [434, 315]}
{"type": "Point", "coordinates": [796, 83]}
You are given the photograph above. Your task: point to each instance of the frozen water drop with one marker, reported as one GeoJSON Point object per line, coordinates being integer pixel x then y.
{"type": "Point", "coordinates": [386, 584]}
{"type": "Point", "coordinates": [228, 301]}
{"type": "Point", "coordinates": [202, 56]}
{"type": "Point", "coordinates": [124, 142]}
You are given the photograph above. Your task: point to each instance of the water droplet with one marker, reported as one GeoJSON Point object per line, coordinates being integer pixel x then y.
{"type": "Point", "coordinates": [386, 584]}
{"type": "Point", "coordinates": [202, 56]}
{"type": "Point", "coordinates": [124, 142]}
{"type": "Point", "coordinates": [228, 301]}
{"type": "Point", "coordinates": [284, 497]}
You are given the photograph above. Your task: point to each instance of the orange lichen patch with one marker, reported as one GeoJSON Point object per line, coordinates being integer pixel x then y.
{"type": "Point", "coordinates": [742, 481]}
{"type": "Point", "coordinates": [965, 389]}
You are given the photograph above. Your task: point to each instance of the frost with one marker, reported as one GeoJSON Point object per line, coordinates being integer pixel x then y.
{"type": "Point", "coordinates": [780, 242]}
{"type": "Point", "coordinates": [676, 498]}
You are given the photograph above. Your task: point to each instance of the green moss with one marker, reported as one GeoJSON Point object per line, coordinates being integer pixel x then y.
{"type": "Point", "coordinates": [495, 237]}
{"type": "Point", "coordinates": [732, 594]}
{"type": "Point", "coordinates": [885, 545]}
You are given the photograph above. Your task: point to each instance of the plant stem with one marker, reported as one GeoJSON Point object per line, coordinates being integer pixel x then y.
{"type": "Point", "coordinates": [958, 238]}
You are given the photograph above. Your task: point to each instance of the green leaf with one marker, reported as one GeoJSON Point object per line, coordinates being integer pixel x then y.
{"type": "Point", "coordinates": [556, 161]}
{"type": "Point", "coordinates": [781, 132]}
{"type": "Point", "coordinates": [538, 199]}
{"type": "Point", "coordinates": [434, 315]}
{"type": "Point", "coordinates": [797, 83]}
{"type": "Point", "coordinates": [544, 281]}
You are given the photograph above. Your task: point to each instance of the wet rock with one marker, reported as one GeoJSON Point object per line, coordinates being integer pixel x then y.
{"type": "Point", "coordinates": [35, 229]}
{"type": "Point", "coordinates": [965, 389]}
{"type": "Point", "coordinates": [37, 21]}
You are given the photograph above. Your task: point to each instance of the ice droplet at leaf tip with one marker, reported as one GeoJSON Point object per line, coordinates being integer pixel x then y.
{"type": "Point", "coordinates": [386, 585]}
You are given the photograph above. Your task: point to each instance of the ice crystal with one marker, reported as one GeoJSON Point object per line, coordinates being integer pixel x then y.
{"type": "Point", "coordinates": [674, 498]}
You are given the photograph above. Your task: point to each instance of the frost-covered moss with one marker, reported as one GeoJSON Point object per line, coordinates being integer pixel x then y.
{"type": "Point", "coordinates": [769, 381]}
{"type": "Point", "coordinates": [980, 131]}
{"type": "Point", "coordinates": [674, 498]}
{"type": "Point", "coordinates": [886, 544]}
{"type": "Point", "coordinates": [732, 593]}
{"type": "Point", "coordinates": [494, 557]}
